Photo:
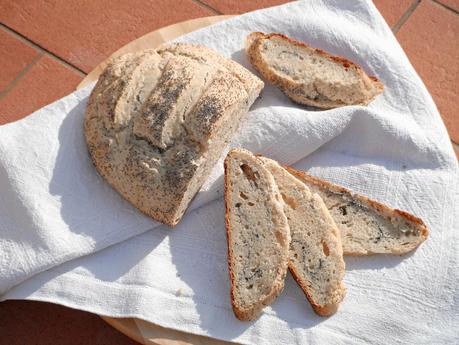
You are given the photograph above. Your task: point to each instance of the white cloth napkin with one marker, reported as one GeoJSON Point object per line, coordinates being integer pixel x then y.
{"type": "Point", "coordinates": [55, 209]}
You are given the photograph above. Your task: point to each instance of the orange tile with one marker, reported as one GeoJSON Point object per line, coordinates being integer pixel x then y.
{"type": "Point", "coordinates": [392, 10]}
{"type": "Point", "coordinates": [46, 81]}
{"type": "Point", "coordinates": [454, 4]}
{"type": "Point", "coordinates": [14, 57]}
{"type": "Point", "coordinates": [242, 6]}
{"type": "Point", "coordinates": [84, 33]}
{"type": "Point", "coordinates": [39, 323]}
{"type": "Point", "coordinates": [430, 39]}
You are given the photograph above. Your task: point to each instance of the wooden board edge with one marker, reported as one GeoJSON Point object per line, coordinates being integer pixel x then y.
{"type": "Point", "coordinates": [152, 40]}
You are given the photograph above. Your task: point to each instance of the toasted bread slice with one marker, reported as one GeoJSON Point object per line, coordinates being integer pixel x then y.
{"type": "Point", "coordinates": [258, 234]}
{"type": "Point", "coordinates": [367, 226]}
{"type": "Point", "coordinates": [310, 76]}
{"type": "Point", "coordinates": [316, 254]}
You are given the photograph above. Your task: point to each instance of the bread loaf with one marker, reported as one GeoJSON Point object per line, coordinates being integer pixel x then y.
{"type": "Point", "coordinates": [158, 120]}
{"type": "Point", "coordinates": [258, 234]}
{"type": "Point", "coordinates": [310, 76]}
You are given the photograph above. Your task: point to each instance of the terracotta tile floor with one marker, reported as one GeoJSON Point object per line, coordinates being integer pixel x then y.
{"type": "Point", "coordinates": [55, 43]}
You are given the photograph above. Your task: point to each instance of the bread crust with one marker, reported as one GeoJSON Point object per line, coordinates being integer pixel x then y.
{"type": "Point", "coordinates": [254, 41]}
{"type": "Point", "coordinates": [385, 211]}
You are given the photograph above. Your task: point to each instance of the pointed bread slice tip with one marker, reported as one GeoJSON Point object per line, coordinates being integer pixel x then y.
{"type": "Point", "coordinates": [367, 226]}
{"type": "Point", "coordinates": [310, 76]}
{"type": "Point", "coordinates": [316, 255]}
{"type": "Point", "coordinates": [258, 234]}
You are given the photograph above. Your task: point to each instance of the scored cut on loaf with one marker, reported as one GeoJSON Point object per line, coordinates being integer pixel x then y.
{"type": "Point", "coordinates": [308, 75]}
{"type": "Point", "coordinates": [157, 121]}
{"type": "Point", "coordinates": [257, 232]}
{"type": "Point", "coordinates": [367, 226]}
{"type": "Point", "coordinates": [316, 253]}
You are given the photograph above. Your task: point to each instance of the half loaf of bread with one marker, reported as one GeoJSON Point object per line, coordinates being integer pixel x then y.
{"type": "Point", "coordinates": [258, 234]}
{"type": "Point", "coordinates": [310, 76]}
{"type": "Point", "coordinates": [157, 121]}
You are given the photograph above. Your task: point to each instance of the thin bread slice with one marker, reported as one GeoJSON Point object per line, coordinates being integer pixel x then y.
{"type": "Point", "coordinates": [258, 234]}
{"type": "Point", "coordinates": [316, 253]}
{"type": "Point", "coordinates": [310, 76]}
{"type": "Point", "coordinates": [367, 226]}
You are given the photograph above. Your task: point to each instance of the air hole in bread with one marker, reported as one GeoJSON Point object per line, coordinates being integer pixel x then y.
{"type": "Point", "coordinates": [290, 201]}
{"type": "Point", "coordinates": [238, 204]}
{"type": "Point", "coordinates": [250, 203]}
{"type": "Point", "coordinates": [325, 249]}
{"type": "Point", "coordinates": [343, 210]}
{"type": "Point", "coordinates": [243, 196]}
{"type": "Point", "coordinates": [249, 173]}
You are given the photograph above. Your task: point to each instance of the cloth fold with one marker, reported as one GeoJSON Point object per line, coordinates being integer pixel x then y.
{"type": "Point", "coordinates": [67, 237]}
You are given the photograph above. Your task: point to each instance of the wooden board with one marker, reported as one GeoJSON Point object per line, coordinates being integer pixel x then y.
{"type": "Point", "coordinates": [139, 330]}
{"type": "Point", "coordinates": [148, 333]}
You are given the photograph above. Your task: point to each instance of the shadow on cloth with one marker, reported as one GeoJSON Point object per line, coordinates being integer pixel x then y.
{"type": "Point", "coordinates": [199, 253]}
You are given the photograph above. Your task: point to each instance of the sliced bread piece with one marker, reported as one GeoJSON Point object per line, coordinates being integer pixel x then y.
{"type": "Point", "coordinates": [316, 253]}
{"type": "Point", "coordinates": [367, 226]}
{"type": "Point", "coordinates": [258, 234]}
{"type": "Point", "coordinates": [310, 76]}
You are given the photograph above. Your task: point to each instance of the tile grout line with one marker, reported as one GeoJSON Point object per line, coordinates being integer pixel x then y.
{"type": "Point", "coordinates": [44, 51]}
{"type": "Point", "coordinates": [19, 76]}
{"type": "Point", "coordinates": [405, 16]}
{"type": "Point", "coordinates": [203, 4]}
{"type": "Point", "coordinates": [445, 6]}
